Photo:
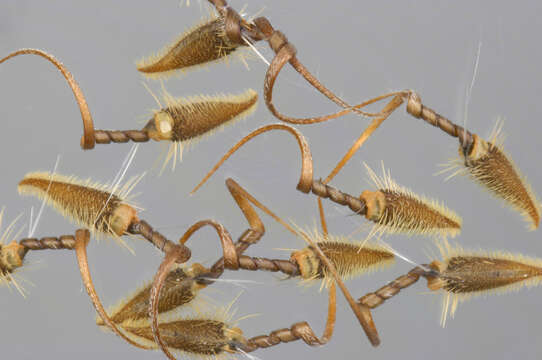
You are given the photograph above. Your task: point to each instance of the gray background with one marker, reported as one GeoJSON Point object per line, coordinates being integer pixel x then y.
{"type": "Point", "coordinates": [360, 50]}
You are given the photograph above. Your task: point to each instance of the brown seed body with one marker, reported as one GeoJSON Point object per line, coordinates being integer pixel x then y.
{"type": "Point", "coordinates": [200, 117]}
{"type": "Point", "coordinates": [490, 167]}
{"type": "Point", "coordinates": [349, 259]}
{"type": "Point", "coordinates": [399, 211]}
{"type": "Point", "coordinates": [410, 213]}
{"type": "Point", "coordinates": [85, 203]}
{"type": "Point", "coordinates": [175, 293]}
{"type": "Point", "coordinates": [203, 44]}
{"type": "Point", "coordinates": [396, 209]}
{"type": "Point", "coordinates": [204, 337]}
{"type": "Point", "coordinates": [465, 274]}
{"type": "Point", "coordinates": [188, 119]}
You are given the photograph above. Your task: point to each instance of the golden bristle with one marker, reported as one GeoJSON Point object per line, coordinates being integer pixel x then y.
{"type": "Point", "coordinates": [88, 204]}
{"type": "Point", "coordinates": [396, 209]}
{"type": "Point", "coordinates": [186, 120]}
{"type": "Point", "coordinates": [464, 274]}
{"type": "Point", "coordinates": [489, 166]}
{"type": "Point", "coordinates": [179, 289]}
{"type": "Point", "coordinates": [199, 46]}
{"type": "Point", "coordinates": [350, 259]}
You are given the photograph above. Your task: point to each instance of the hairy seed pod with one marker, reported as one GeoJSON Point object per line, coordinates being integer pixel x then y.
{"type": "Point", "coordinates": [194, 336]}
{"type": "Point", "coordinates": [179, 289]}
{"type": "Point", "coordinates": [350, 259]}
{"type": "Point", "coordinates": [88, 204]}
{"type": "Point", "coordinates": [396, 209]}
{"type": "Point", "coordinates": [203, 44]}
{"type": "Point", "coordinates": [489, 166]}
{"type": "Point", "coordinates": [186, 120]}
{"type": "Point", "coordinates": [463, 274]}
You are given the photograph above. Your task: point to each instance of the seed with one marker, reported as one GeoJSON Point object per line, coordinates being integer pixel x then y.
{"type": "Point", "coordinates": [201, 45]}
{"type": "Point", "coordinates": [396, 209]}
{"type": "Point", "coordinates": [195, 336]}
{"type": "Point", "coordinates": [350, 259]}
{"type": "Point", "coordinates": [179, 289]}
{"type": "Point", "coordinates": [463, 274]}
{"type": "Point", "coordinates": [186, 120]}
{"type": "Point", "coordinates": [88, 204]}
{"type": "Point", "coordinates": [488, 165]}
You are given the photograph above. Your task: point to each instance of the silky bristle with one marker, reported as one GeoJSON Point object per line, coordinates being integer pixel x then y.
{"type": "Point", "coordinates": [88, 204]}
{"type": "Point", "coordinates": [464, 274]}
{"type": "Point", "coordinates": [201, 45]}
{"type": "Point", "coordinates": [350, 259]}
{"type": "Point", "coordinates": [396, 209]}
{"type": "Point", "coordinates": [488, 165]}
